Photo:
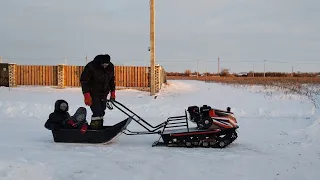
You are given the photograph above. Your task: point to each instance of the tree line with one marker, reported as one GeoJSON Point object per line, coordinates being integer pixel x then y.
{"type": "Point", "coordinates": [226, 73]}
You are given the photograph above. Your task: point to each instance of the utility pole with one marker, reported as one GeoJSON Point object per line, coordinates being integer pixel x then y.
{"type": "Point", "coordinates": [0, 59]}
{"type": "Point", "coordinates": [197, 69]}
{"type": "Point", "coordinates": [264, 68]}
{"type": "Point", "coordinates": [218, 65]}
{"type": "Point", "coordinates": [292, 71]}
{"type": "Point", "coordinates": [86, 59]}
{"type": "Point", "coordinates": [152, 48]}
{"type": "Point", "coordinates": [253, 70]}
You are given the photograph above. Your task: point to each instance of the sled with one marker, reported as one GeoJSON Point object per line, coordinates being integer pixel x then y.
{"type": "Point", "coordinates": [103, 135]}
{"type": "Point", "coordinates": [214, 128]}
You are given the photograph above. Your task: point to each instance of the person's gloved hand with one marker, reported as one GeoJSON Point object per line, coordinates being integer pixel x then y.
{"type": "Point", "coordinates": [84, 128]}
{"type": "Point", "coordinates": [113, 95]}
{"type": "Point", "coordinates": [71, 122]}
{"type": "Point", "coordinates": [87, 99]}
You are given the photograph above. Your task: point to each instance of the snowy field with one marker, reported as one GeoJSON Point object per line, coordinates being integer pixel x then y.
{"type": "Point", "coordinates": [279, 137]}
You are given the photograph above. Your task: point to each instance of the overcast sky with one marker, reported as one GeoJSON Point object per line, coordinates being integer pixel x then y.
{"type": "Point", "coordinates": [237, 31]}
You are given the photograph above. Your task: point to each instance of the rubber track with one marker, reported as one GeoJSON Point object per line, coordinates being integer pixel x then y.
{"type": "Point", "coordinates": [198, 141]}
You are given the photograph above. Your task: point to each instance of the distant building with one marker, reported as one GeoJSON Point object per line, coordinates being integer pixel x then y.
{"type": "Point", "coordinates": [242, 74]}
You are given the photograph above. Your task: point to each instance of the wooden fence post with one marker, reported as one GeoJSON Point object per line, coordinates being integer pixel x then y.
{"type": "Point", "coordinates": [12, 75]}
{"type": "Point", "coordinates": [61, 83]}
{"type": "Point", "coordinates": [165, 76]}
{"type": "Point", "coordinates": [157, 78]}
{"type": "Point", "coordinates": [160, 77]}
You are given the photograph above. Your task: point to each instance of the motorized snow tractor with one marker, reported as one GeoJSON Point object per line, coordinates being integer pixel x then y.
{"type": "Point", "coordinates": [213, 128]}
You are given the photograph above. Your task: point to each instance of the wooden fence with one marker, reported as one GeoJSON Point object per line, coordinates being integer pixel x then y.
{"type": "Point", "coordinates": [36, 75]}
{"type": "Point", "coordinates": [133, 77]}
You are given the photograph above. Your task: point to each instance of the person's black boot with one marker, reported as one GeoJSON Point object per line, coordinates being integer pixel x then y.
{"type": "Point", "coordinates": [101, 123]}
{"type": "Point", "coordinates": [96, 123]}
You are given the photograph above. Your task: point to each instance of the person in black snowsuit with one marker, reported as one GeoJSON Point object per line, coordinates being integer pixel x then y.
{"type": "Point", "coordinates": [57, 119]}
{"type": "Point", "coordinates": [61, 119]}
{"type": "Point", "coordinates": [97, 81]}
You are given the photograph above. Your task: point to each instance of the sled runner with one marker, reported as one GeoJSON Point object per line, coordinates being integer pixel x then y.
{"type": "Point", "coordinates": [104, 135]}
{"type": "Point", "coordinates": [75, 128]}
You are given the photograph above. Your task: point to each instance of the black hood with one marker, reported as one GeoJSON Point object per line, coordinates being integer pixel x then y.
{"type": "Point", "coordinates": [101, 58]}
{"type": "Point", "coordinates": [57, 105]}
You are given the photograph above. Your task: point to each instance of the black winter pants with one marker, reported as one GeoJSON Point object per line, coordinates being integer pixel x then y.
{"type": "Point", "coordinates": [98, 106]}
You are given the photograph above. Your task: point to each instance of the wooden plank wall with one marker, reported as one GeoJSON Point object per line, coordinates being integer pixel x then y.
{"type": "Point", "coordinates": [132, 76]}
{"type": "Point", "coordinates": [37, 75]}
{"type": "Point", "coordinates": [126, 76]}
{"type": "Point", "coordinates": [72, 75]}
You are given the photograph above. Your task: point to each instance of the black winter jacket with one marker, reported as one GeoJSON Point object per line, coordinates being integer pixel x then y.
{"type": "Point", "coordinates": [96, 79]}
{"type": "Point", "coordinates": [58, 118]}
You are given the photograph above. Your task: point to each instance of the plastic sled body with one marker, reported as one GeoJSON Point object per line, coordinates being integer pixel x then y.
{"type": "Point", "coordinates": [104, 135]}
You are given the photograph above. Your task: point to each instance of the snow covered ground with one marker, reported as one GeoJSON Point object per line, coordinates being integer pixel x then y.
{"type": "Point", "coordinates": [278, 137]}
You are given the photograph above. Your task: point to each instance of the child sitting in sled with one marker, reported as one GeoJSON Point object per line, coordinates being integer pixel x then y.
{"type": "Point", "coordinates": [61, 119]}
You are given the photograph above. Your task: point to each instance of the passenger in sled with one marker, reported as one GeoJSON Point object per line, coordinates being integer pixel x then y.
{"type": "Point", "coordinates": [61, 119]}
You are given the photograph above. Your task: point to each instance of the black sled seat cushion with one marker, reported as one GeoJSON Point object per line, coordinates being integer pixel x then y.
{"type": "Point", "coordinates": [91, 136]}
